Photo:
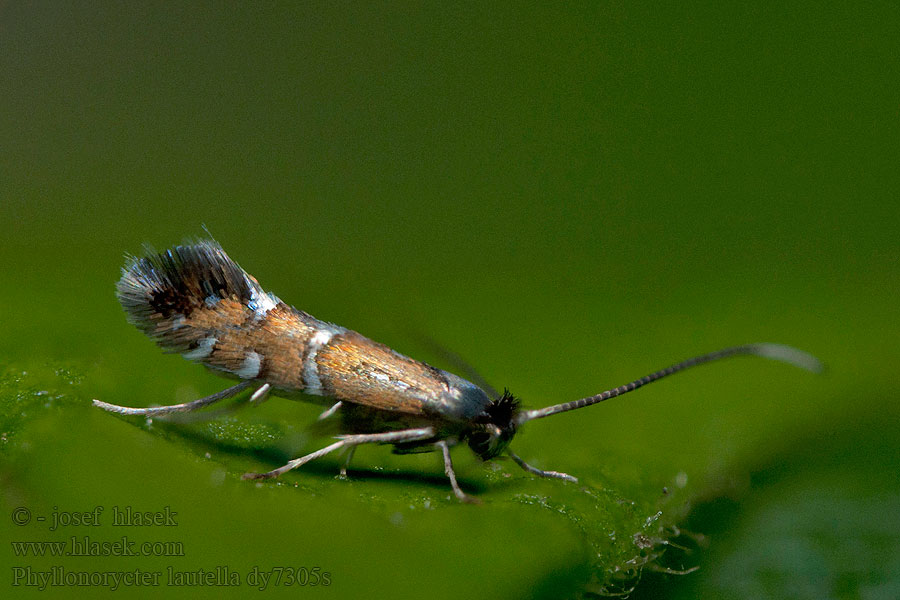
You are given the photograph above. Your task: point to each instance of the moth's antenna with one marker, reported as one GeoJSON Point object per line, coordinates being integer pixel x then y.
{"type": "Point", "coordinates": [786, 354]}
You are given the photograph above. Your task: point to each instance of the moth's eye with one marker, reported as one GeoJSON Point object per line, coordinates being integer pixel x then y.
{"type": "Point", "coordinates": [480, 442]}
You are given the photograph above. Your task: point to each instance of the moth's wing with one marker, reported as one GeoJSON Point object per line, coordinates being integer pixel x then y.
{"type": "Point", "coordinates": [194, 300]}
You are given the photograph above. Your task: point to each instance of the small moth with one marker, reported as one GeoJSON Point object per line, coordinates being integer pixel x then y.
{"type": "Point", "coordinates": [196, 301]}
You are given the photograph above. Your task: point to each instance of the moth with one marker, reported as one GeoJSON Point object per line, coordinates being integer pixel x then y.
{"type": "Point", "coordinates": [194, 300]}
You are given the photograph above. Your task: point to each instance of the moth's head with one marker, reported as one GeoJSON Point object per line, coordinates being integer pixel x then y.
{"type": "Point", "coordinates": [495, 427]}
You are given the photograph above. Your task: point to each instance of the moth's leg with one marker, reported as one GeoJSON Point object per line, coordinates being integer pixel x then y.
{"type": "Point", "coordinates": [296, 462]}
{"type": "Point", "coordinates": [331, 411]}
{"type": "Point", "coordinates": [346, 465]}
{"type": "Point", "coordinates": [390, 437]}
{"type": "Point", "coordinates": [538, 472]}
{"type": "Point", "coordinates": [448, 469]}
{"type": "Point", "coordinates": [261, 394]}
{"type": "Point", "coordinates": [176, 408]}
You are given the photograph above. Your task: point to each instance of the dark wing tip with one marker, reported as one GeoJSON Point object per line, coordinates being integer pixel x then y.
{"type": "Point", "coordinates": [161, 285]}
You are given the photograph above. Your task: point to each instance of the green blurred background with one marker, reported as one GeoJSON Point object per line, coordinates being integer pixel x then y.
{"type": "Point", "coordinates": [570, 196]}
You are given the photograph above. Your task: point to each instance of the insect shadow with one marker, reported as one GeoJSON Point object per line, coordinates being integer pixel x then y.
{"type": "Point", "coordinates": [205, 440]}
